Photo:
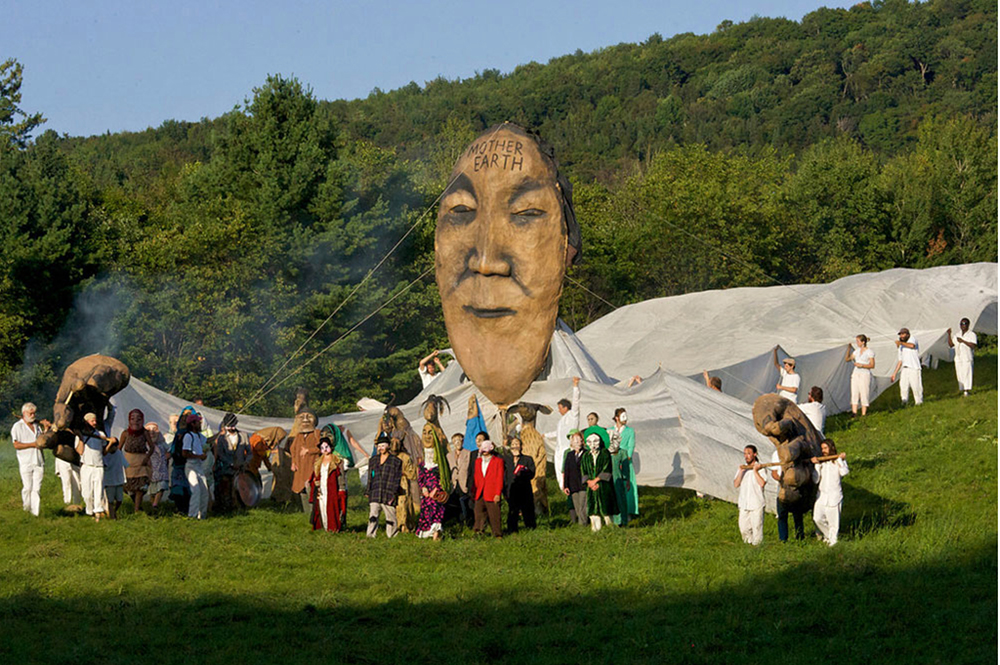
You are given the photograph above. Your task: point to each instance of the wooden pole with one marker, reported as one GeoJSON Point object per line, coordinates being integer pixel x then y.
{"type": "Point", "coordinates": [825, 458]}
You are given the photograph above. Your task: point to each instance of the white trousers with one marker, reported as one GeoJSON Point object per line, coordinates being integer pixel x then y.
{"type": "Point", "coordinates": [860, 387]}
{"type": "Point", "coordinates": [31, 485]}
{"type": "Point", "coordinates": [827, 519]}
{"type": "Point", "coordinates": [597, 521]}
{"type": "Point", "coordinates": [195, 474]}
{"type": "Point", "coordinates": [910, 379]}
{"type": "Point", "coordinates": [376, 509]}
{"type": "Point", "coordinates": [92, 485]}
{"type": "Point", "coordinates": [70, 477]}
{"type": "Point", "coordinates": [963, 372]}
{"type": "Point", "coordinates": [752, 525]}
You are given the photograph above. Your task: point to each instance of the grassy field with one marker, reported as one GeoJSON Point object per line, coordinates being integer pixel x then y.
{"type": "Point", "coordinates": [913, 580]}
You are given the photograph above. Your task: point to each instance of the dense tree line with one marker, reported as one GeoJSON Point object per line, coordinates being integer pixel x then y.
{"type": "Point", "coordinates": [204, 254]}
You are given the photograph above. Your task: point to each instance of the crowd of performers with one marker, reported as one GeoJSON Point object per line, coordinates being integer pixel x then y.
{"type": "Point", "coordinates": [417, 484]}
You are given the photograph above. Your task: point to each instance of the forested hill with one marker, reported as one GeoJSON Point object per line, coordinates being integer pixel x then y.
{"type": "Point", "coordinates": [205, 253]}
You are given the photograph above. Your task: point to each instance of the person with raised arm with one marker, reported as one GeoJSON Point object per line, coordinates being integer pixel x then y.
{"type": "Point", "coordinates": [863, 359]}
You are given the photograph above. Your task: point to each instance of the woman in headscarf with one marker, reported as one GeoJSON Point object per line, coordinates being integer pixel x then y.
{"type": "Point", "coordinates": [595, 468]}
{"type": "Point", "coordinates": [327, 489]}
{"type": "Point", "coordinates": [159, 463]}
{"type": "Point", "coordinates": [137, 445]}
{"type": "Point", "coordinates": [434, 474]}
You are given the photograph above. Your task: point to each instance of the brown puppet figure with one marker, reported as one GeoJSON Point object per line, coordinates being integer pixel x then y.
{"type": "Point", "coordinates": [435, 443]}
{"type": "Point", "coordinates": [266, 446]}
{"type": "Point", "coordinates": [87, 387]}
{"type": "Point", "coordinates": [505, 234]}
{"type": "Point", "coordinates": [303, 449]}
{"type": "Point", "coordinates": [533, 445]}
{"type": "Point", "coordinates": [797, 441]}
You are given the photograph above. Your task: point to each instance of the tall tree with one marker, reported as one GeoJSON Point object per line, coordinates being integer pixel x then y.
{"type": "Point", "coordinates": [14, 132]}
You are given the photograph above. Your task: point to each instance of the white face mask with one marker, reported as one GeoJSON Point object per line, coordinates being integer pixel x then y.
{"type": "Point", "coordinates": [613, 447]}
{"type": "Point", "coordinates": [576, 443]}
{"type": "Point", "coordinates": [623, 418]}
{"type": "Point", "coordinates": [382, 448]}
{"type": "Point", "coordinates": [594, 442]}
{"type": "Point", "coordinates": [486, 447]}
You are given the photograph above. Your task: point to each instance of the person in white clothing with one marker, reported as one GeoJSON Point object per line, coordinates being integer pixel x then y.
{"type": "Point", "coordinates": [30, 461]}
{"type": "Point", "coordinates": [861, 378]}
{"type": "Point", "coordinates": [91, 445]}
{"type": "Point", "coordinates": [965, 346]}
{"type": "Point", "coordinates": [908, 368]}
{"type": "Point", "coordinates": [69, 474]}
{"type": "Point", "coordinates": [789, 382]}
{"type": "Point", "coordinates": [569, 419]}
{"type": "Point", "coordinates": [429, 367]}
{"type": "Point", "coordinates": [750, 482]}
{"type": "Point", "coordinates": [814, 409]}
{"type": "Point", "coordinates": [193, 450]}
{"type": "Point", "coordinates": [830, 499]}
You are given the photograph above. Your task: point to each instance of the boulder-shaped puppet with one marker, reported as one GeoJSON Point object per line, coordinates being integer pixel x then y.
{"type": "Point", "coordinates": [86, 387]}
{"type": "Point", "coordinates": [796, 441]}
{"type": "Point", "coordinates": [505, 234]}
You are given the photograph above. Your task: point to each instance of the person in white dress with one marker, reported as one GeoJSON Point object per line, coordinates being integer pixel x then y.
{"type": "Point", "coordinates": [830, 499]}
{"type": "Point", "coordinates": [788, 382]}
{"type": "Point", "coordinates": [964, 344]}
{"type": "Point", "coordinates": [863, 359]}
{"type": "Point", "coordinates": [30, 461]}
{"type": "Point", "coordinates": [908, 368]}
{"type": "Point", "coordinates": [750, 482]}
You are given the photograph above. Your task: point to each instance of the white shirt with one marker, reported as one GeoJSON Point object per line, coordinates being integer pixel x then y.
{"type": "Point", "coordinates": [484, 463]}
{"type": "Point", "coordinates": [22, 432]}
{"type": "Point", "coordinates": [962, 352]}
{"type": "Point", "coordinates": [426, 377]}
{"type": "Point", "coordinates": [816, 413]}
{"type": "Point", "coordinates": [194, 442]}
{"type": "Point", "coordinates": [568, 422]}
{"type": "Point", "coordinates": [790, 381]}
{"type": "Point", "coordinates": [862, 356]}
{"type": "Point", "coordinates": [777, 469]}
{"type": "Point", "coordinates": [910, 357]}
{"type": "Point", "coordinates": [830, 473]}
{"type": "Point", "coordinates": [751, 493]}
{"type": "Point", "coordinates": [93, 451]}
{"type": "Point", "coordinates": [114, 468]}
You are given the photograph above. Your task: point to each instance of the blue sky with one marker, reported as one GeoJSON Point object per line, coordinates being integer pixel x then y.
{"type": "Point", "coordinates": [116, 65]}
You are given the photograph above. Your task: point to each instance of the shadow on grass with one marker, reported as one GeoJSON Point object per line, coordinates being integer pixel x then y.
{"type": "Point", "coordinates": [848, 611]}
{"type": "Point", "coordinates": [865, 512]}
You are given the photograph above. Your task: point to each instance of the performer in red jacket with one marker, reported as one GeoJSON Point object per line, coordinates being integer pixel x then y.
{"type": "Point", "coordinates": [488, 480]}
{"type": "Point", "coordinates": [328, 490]}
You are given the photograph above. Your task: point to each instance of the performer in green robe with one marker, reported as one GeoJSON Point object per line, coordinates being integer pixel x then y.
{"type": "Point", "coordinates": [595, 468]}
{"type": "Point", "coordinates": [626, 442]}
{"type": "Point", "coordinates": [620, 466]}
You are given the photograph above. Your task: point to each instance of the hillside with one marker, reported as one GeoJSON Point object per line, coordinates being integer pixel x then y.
{"type": "Point", "coordinates": [913, 578]}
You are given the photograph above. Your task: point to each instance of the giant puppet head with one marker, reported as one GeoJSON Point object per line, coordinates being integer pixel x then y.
{"type": "Point", "coordinates": [796, 441]}
{"type": "Point", "coordinates": [505, 234]}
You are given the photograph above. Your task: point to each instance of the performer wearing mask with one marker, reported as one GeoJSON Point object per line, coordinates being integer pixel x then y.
{"type": "Point", "coordinates": [595, 469]}
{"type": "Point", "coordinates": [327, 489]}
{"type": "Point", "coordinates": [193, 450]}
{"type": "Point", "coordinates": [518, 472]}
{"type": "Point", "coordinates": [488, 477]}
{"type": "Point", "coordinates": [137, 445]}
{"type": "Point", "coordinates": [630, 507]}
{"type": "Point", "coordinates": [232, 456]}
{"type": "Point", "coordinates": [572, 480]}
{"type": "Point", "coordinates": [384, 474]}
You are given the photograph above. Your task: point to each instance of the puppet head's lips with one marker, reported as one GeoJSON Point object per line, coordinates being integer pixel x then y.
{"type": "Point", "coordinates": [491, 313]}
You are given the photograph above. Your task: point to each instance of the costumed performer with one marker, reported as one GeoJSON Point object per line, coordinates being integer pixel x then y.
{"type": "Point", "coordinates": [826, 512]}
{"type": "Point", "coordinates": [751, 500]}
{"type": "Point", "coordinates": [519, 471]}
{"type": "Point", "coordinates": [328, 489]}
{"type": "Point", "coordinates": [572, 480]}
{"type": "Point", "coordinates": [137, 444]}
{"type": "Point", "coordinates": [595, 470]}
{"type": "Point", "coordinates": [626, 468]}
{"type": "Point", "coordinates": [384, 474]}
{"type": "Point", "coordinates": [488, 474]}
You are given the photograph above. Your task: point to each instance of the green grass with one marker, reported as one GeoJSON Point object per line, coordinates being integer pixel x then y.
{"type": "Point", "coordinates": [913, 579]}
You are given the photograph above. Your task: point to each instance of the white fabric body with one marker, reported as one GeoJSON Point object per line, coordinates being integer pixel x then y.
{"type": "Point", "coordinates": [910, 379]}
{"type": "Point", "coordinates": [861, 389]}
{"type": "Point", "coordinates": [963, 372]}
{"type": "Point", "coordinates": [92, 485]}
{"type": "Point", "coordinates": [830, 473]}
{"type": "Point", "coordinates": [789, 381]}
{"type": "Point", "coordinates": [693, 436]}
{"type": "Point", "coordinates": [70, 477]}
{"type": "Point", "coordinates": [776, 469]}
{"type": "Point", "coordinates": [752, 525]}
{"type": "Point", "coordinates": [963, 352]}
{"type": "Point", "coordinates": [816, 413]}
{"type": "Point", "coordinates": [195, 473]}
{"type": "Point", "coordinates": [751, 493]}
{"type": "Point", "coordinates": [827, 519]}
{"type": "Point", "coordinates": [862, 357]}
